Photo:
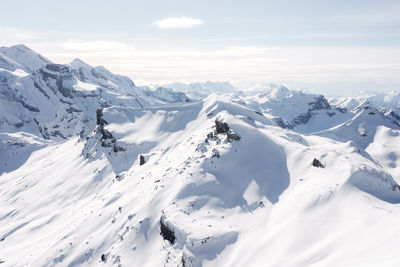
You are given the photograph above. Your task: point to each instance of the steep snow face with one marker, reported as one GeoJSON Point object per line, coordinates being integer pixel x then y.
{"type": "Point", "coordinates": [211, 183]}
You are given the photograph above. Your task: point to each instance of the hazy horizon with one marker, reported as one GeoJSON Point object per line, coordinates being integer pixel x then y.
{"type": "Point", "coordinates": [334, 48]}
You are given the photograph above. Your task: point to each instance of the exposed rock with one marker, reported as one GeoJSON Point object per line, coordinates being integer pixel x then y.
{"type": "Point", "coordinates": [107, 139]}
{"type": "Point", "coordinates": [317, 163]}
{"type": "Point", "coordinates": [99, 117]}
{"type": "Point", "coordinates": [142, 160]}
{"type": "Point", "coordinates": [281, 123]}
{"type": "Point", "coordinates": [216, 154]}
{"type": "Point", "coordinates": [103, 258]}
{"type": "Point", "coordinates": [330, 114]}
{"type": "Point", "coordinates": [231, 136]}
{"type": "Point", "coordinates": [320, 103]}
{"type": "Point", "coordinates": [259, 113]}
{"type": "Point", "coordinates": [166, 232]}
{"type": "Point", "coordinates": [303, 118]}
{"type": "Point", "coordinates": [221, 127]}
{"type": "Point", "coordinates": [341, 110]}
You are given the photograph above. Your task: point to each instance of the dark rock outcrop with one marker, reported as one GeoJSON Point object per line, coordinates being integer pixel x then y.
{"type": "Point", "coordinates": [142, 160]}
{"type": "Point", "coordinates": [107, 139]}
{"type": "Point", "coordinates": [221, 127]}
{"type": "Point", "coordinates": [317, 163]}
{"type": "Point", "coordinates": [166, 232]}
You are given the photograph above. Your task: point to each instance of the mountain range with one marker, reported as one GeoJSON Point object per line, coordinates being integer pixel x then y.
{"type": "Point", "coordinates": [96, 171]}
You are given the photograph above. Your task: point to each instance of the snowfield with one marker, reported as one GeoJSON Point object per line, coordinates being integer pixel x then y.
{"type": "Point", "coordinates": [136, 177]}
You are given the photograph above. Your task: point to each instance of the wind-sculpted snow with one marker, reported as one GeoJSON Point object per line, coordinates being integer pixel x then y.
{"type": "Point", "coordinates": [213, 182]}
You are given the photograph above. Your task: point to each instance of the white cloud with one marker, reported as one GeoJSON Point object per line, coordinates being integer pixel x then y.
{"type": "Point", "coordinates": [94, 45]}
{"type": "Point", "coordinates": [177, 23]}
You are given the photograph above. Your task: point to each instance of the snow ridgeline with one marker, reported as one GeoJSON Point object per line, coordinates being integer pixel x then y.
{"type": "Point", "coordinates": [209, 183]}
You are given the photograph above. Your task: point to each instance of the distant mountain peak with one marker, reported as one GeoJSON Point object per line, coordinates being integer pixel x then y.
{"type": "Point", "coordinates": [21, 47]}
{"type": "Point", "coordinates": [21, 57]}
{"type": "Point", "coordinates": [280, 92]}
{"type": "Point", "coordinates": [78, 63]}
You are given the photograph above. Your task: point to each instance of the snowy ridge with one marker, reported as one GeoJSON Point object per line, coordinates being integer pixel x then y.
{"type": "Point", "coordinates": [21, 57]}
{"type": "Point", "coordinates": [215, 182]}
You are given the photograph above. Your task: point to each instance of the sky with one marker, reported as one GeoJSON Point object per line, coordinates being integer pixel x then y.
{"type": "Point", "coordinates": [318, 45]}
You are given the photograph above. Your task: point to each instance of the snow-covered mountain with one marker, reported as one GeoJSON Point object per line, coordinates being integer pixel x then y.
{"type": "Point", "coordinates": [295, 110]}
{"type": "Point", "coordinates": [200, 91]}
{"type": "Point", "coordinates": [214, 182]}
{"type": "Point", "coordinates": [388, 100]}
{"type": "Point", "coordinates": [166, 95]}
{"type": "Point", "coordinates": [58, 101]}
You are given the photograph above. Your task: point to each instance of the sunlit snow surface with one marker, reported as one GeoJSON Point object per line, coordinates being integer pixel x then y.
{"type": "Point", "coordinates": [256, 201]}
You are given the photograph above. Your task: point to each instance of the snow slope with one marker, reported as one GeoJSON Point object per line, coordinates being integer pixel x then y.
{"type": "Point", "coordinates": [256, 201]}
{"type": "Point", "coordinates": [385, 149]}
{"type": "Point", "coordinates": [362, 127]}
{"type": "Point", "coordinates": [209, 183]}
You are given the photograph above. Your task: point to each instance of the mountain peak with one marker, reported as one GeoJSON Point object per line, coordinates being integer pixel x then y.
{"type": "Point", "coordinates": [21, 57]}
{"type": "Point", "coordinates": [78, 63]}
{"type": "Point", "coordinates": [21, 47]}
{"type": "Point", "coordinates": [280, 92]}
